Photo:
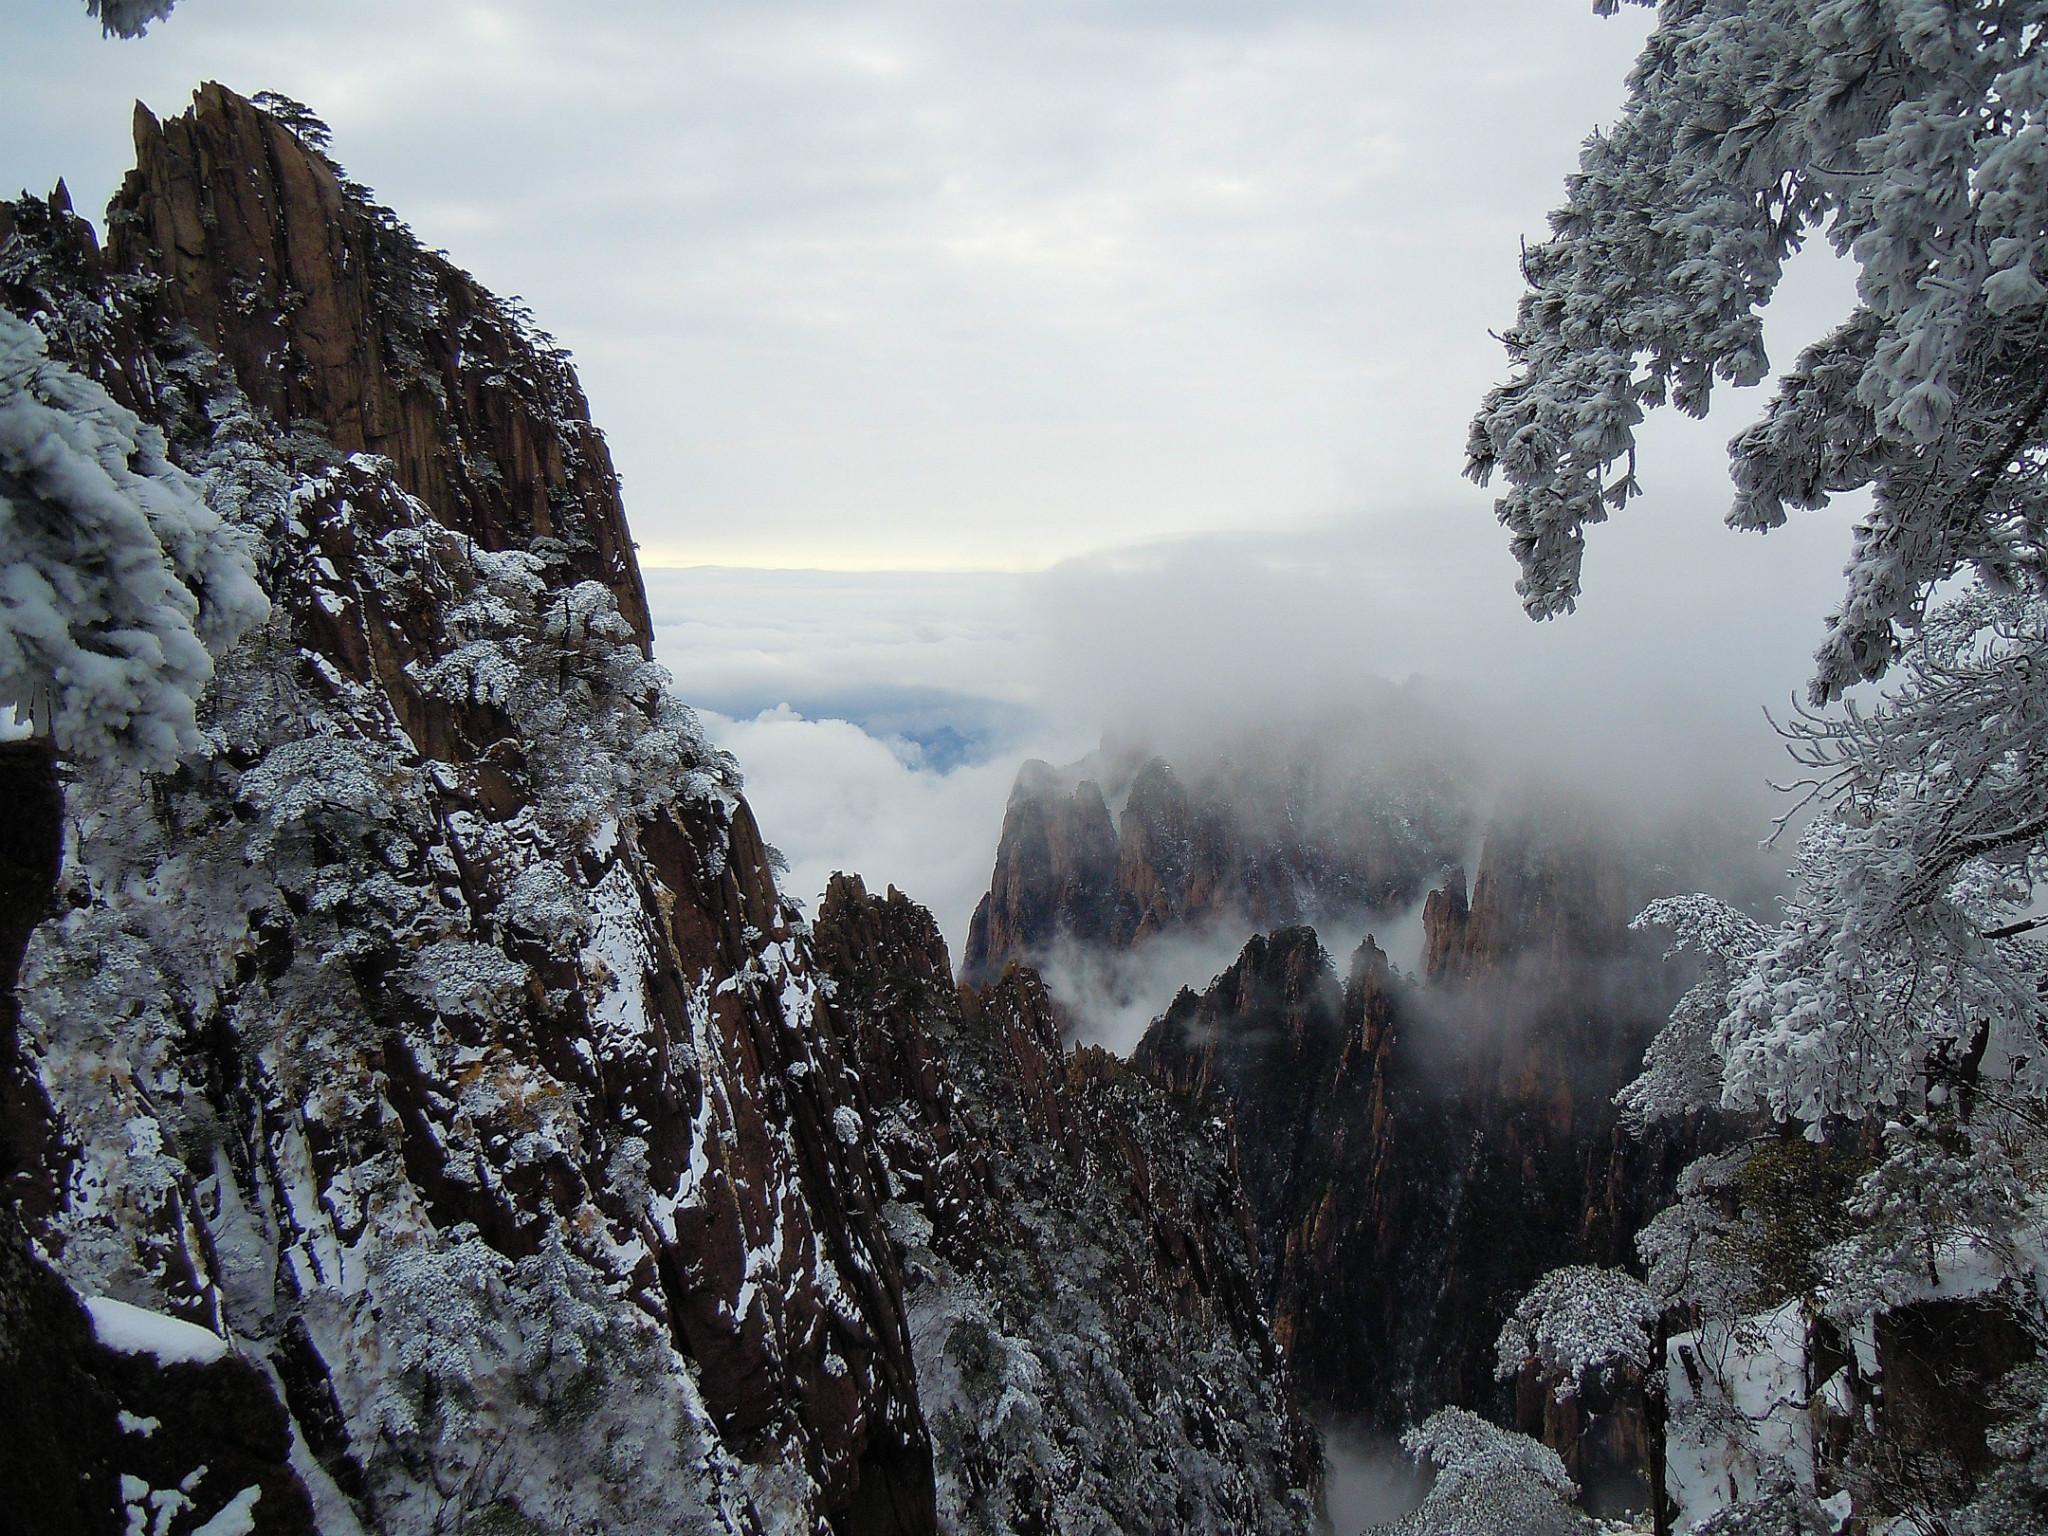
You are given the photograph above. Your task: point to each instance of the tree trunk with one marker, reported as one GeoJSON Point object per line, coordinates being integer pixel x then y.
{"type": "Point", "coordinates": [1655, 1417]}
{"type": "Point", "coordinates": [31, 850]}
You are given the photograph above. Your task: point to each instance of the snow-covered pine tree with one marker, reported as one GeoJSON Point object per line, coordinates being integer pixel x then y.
{"type": "Point", "coordinates": [1914, 133]}
{"type": "Point", "coordinates": [1681, 1073]}
{"type": "Point", "coordinates": [1488, 1481]}
{"type": "Point", "coordinates": [97, 636]}
{"type": "Point", "coordinates": [1903, 961]}
{"type": "Point", "coordinates": [1579, 1320]}
{"type": "Point", "coordinates": [117, 583]}
{"type": "Point", "coordinates": [1895, 1014]}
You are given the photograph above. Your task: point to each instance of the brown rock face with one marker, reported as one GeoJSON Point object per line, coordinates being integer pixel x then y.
{"type": "Point", "coordinates": [1551, 904]}
{"type": "Point", "coordinates": [456, 1046]}
{"type": "Point", "coordinates": [1056, 874]}
{"type": "Point", "coordinates": [1076, 1242]}
{"type": "Point", "coordinates": [1448, 939]}
{"type": "Point", "coordinates": [1160, 862]}
{"type": "Point", "coordinates": [325, 308]}
{"type": "Point", "coordinates": [1417, 1156]}
{"type": "Point", "coordinates": [1301, 1063]}
{"type": "Point", "coordinates": [1605, 1428]}
{"type": "Point", "coordinates": [1278, 838]}
{"type": "Point", "coordinates": [1284, 981]}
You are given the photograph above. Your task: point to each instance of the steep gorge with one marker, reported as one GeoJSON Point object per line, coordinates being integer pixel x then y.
{"type": "Point", "coordinates": [1082, 1278]}
{"type": "Point", "coordinates": [1418, 1150]}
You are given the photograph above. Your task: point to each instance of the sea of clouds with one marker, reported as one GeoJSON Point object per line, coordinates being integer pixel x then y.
{"type": "Point", "coordinates": [880, 718]}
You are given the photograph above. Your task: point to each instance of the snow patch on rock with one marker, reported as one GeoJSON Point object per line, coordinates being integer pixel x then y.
{"type": "Point", "coordinates": [133, 1330]}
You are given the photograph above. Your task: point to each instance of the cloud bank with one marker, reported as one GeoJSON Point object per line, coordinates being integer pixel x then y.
{"type": "Point", "coordinates": [1648, 703]}
{"type": "Point", "coordinates": [832, 797]}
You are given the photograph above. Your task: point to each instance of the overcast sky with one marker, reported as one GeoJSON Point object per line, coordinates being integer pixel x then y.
{"type": "Point", "coordinates": [1165, 317]}
{"type": "Point", "coordinates": [955, 283]}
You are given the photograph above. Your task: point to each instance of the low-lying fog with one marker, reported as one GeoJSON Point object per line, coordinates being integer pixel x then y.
{"type": "Point", "coordinates": [1114, 994]}
{"type": "Point", "coordinates": [880, 719]}
{"type": "Point", "coordinates": [1367, 1481]}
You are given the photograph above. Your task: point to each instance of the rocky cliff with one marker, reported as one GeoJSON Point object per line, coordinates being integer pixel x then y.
{"type": "Point", "coordinates": [422, 1113]}
{"type": "Point", "coordinates": [1419, 1152]}
{"type": "Point", "coordinates": [441, 1037]}
{"type": "Point", "coordinates": [1081, 1274]}
{"type": "Point", "coordinates": [83, 1443]}
{"type": "Point", "coordinates": [324, 308]}
{"type": "Point", "coordinates": [1298, 831]}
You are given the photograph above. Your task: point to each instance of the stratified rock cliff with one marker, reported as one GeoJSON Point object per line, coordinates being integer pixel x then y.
{"type": "Point", "coordinates": [441, 1039]}
{"type": "Point", "coordinates": [1549, 911]}
{"type": "Point", "coordinates": [323, 308]}
{"type": "Point", "coordinates": [1303, 1066]}
{"type": "Point", "coordinates": [1056, 874]}
{"type": "Point", "coordinates": [1298, 832]}
{"type": "Point", "coordinates": [1418, 1154]}
{"type": "Point", "coordinates": [1082, 1278]}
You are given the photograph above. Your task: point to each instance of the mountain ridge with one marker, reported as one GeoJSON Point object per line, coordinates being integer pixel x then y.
{"type": "Point", "coordinates": [439, 1040]}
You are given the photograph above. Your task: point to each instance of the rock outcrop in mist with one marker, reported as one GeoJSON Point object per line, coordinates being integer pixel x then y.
{"type": "Point", "coordinates": [1419, 1152]}
{"type": "Point", "coordinates": [435, 1062]}
{"type": "Point", "coordinates": [1255, 839]}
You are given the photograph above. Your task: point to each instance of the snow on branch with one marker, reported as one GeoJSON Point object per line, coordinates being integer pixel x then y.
{"type": "Point", "coordinates": [1916, 137]}
{"type": "Point", "coordinates": [1466, 1450]}
{"type": "Point", "coordinates": [1579, 1319]}
{"type": "Point", "coordinates": [1785, 1509]}
{"type": "Point", "coordinates": [1681, 1069]}
{"type": "Point", "coordinates": [128, 18]}
{"type": "Point", "coordinates": [1935, 825]}
{"type": "Point", "coordinates": [1488, 1480]}
{"type": "Point", "coordinates": [116, 580]}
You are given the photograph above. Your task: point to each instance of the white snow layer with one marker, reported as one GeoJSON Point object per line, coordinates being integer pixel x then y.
{"type": "Point", "coordinates": [116, 578]}
{"type": "Point", "coordinates": [138, 1331]}
{"type": "Point", "coordinates": [237, 1518]}
{"type": "Point", "coordinates": [1755, 1373]}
